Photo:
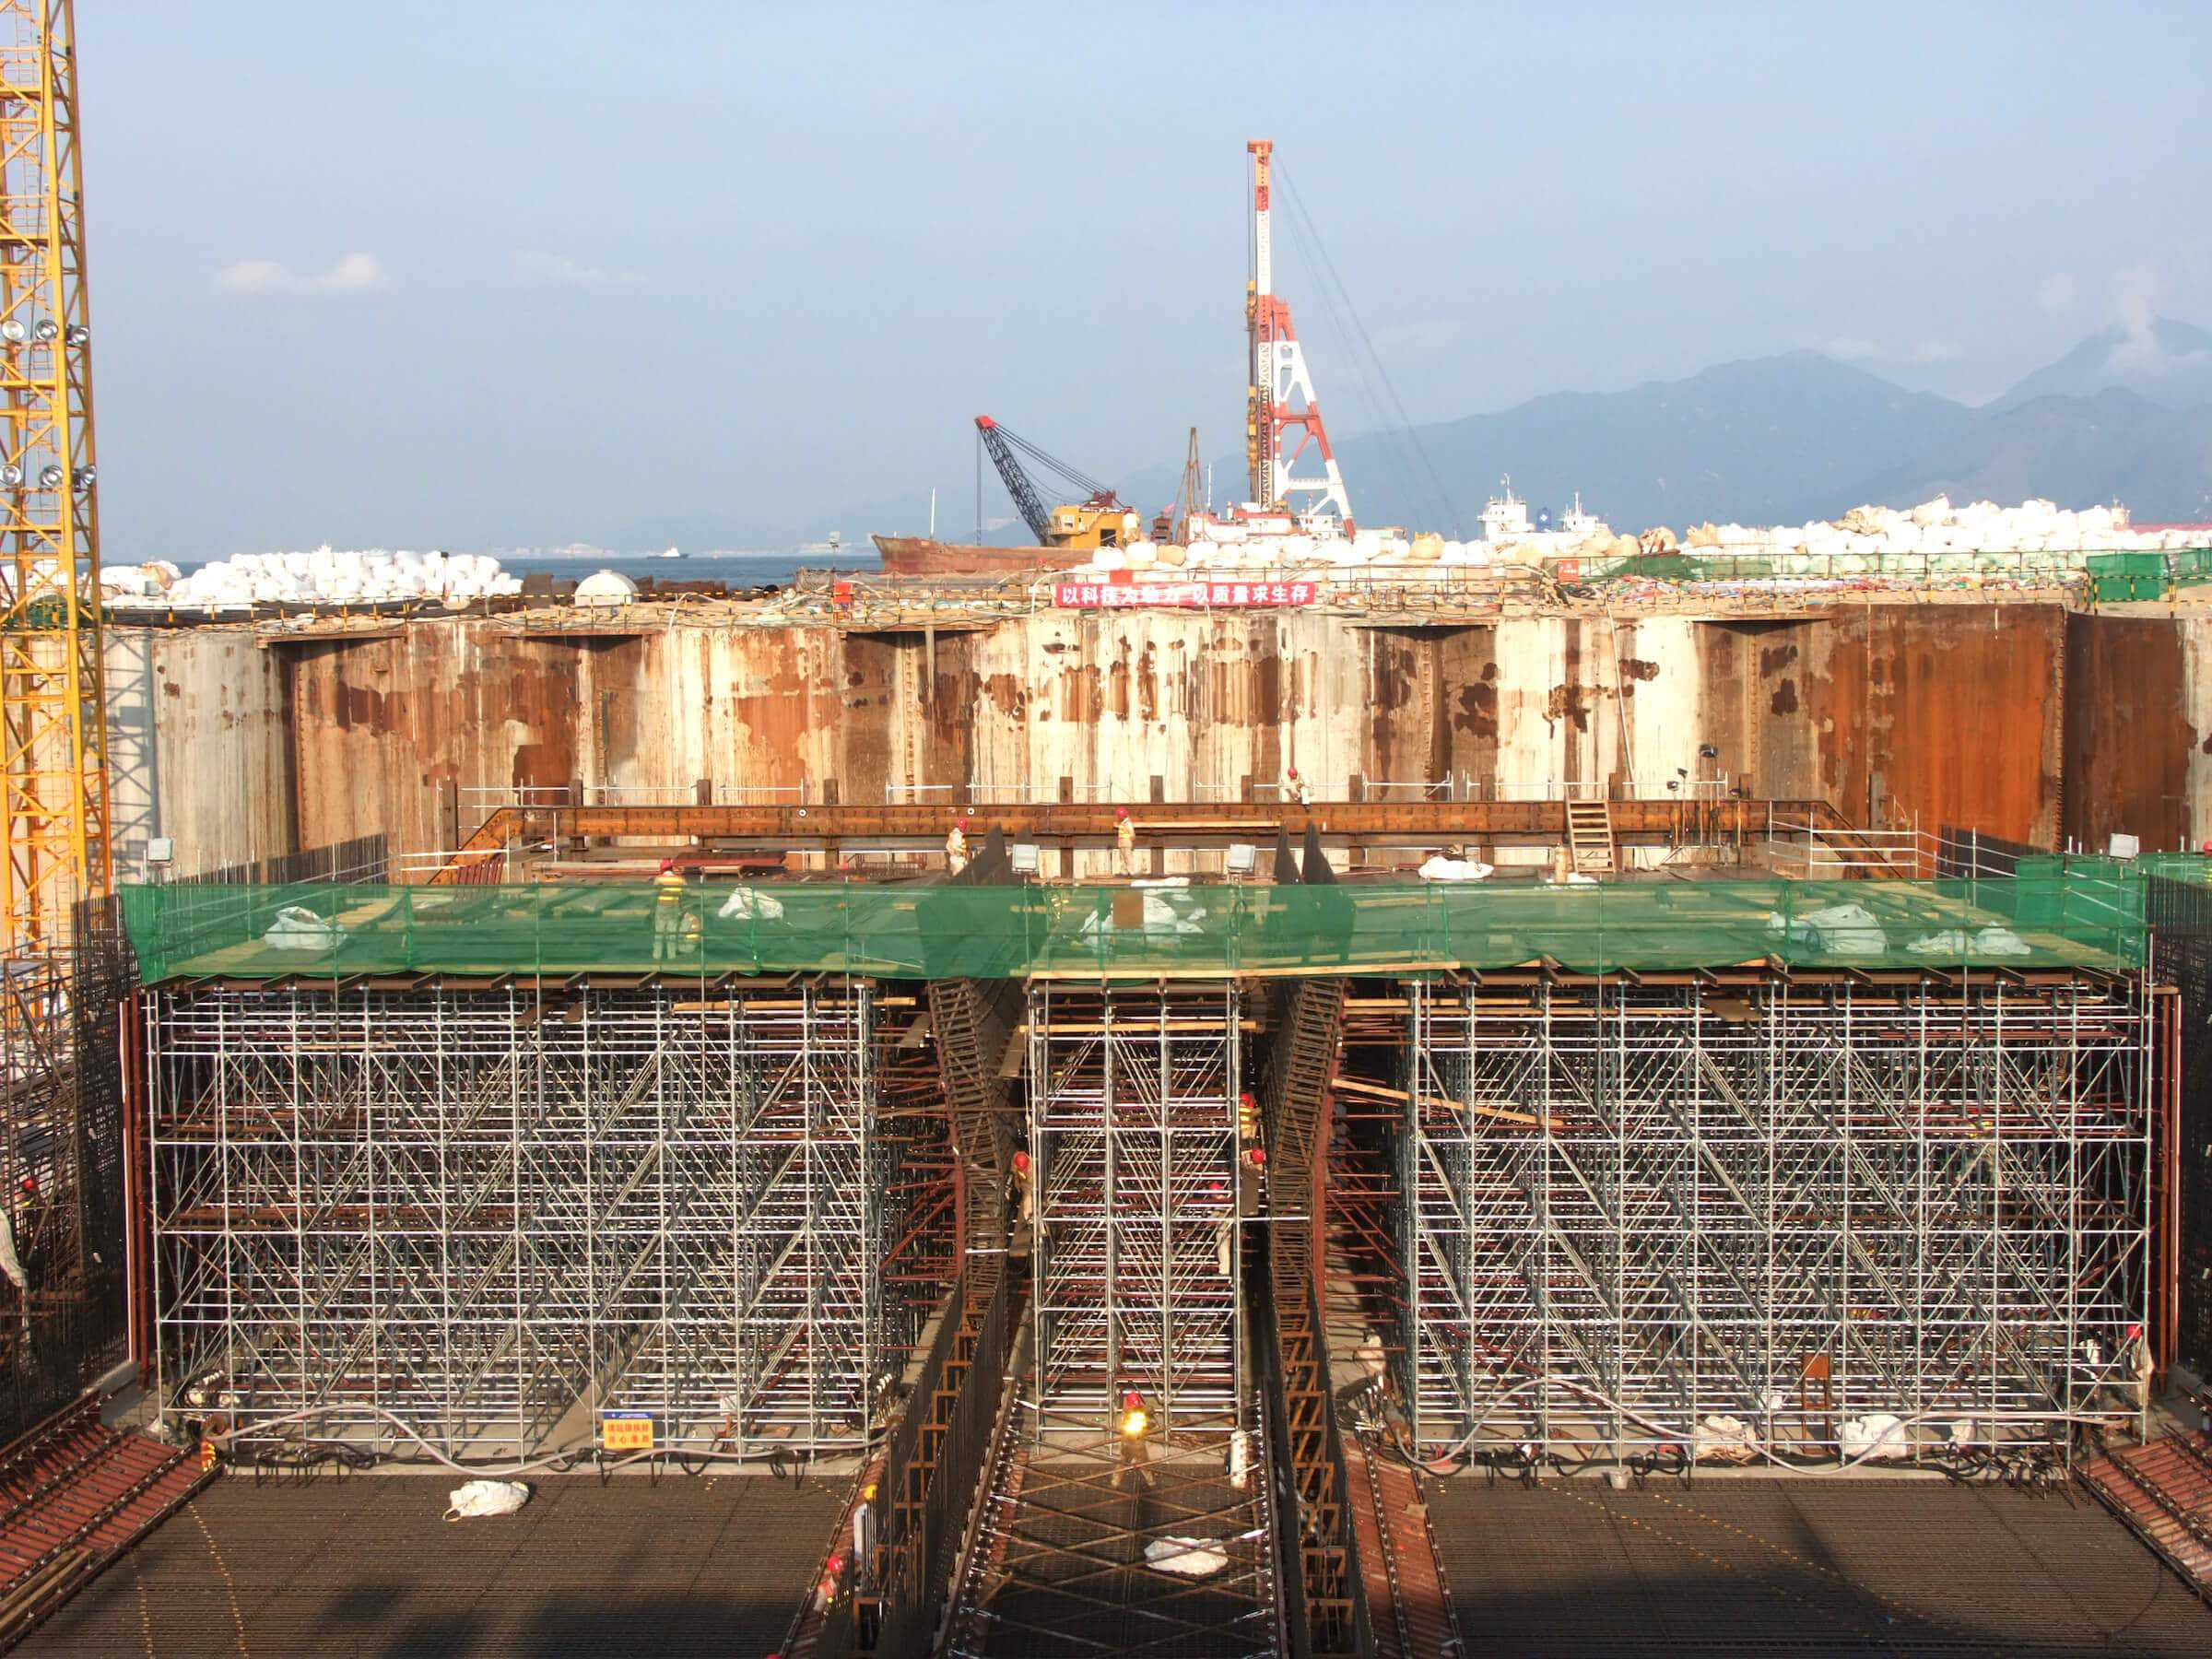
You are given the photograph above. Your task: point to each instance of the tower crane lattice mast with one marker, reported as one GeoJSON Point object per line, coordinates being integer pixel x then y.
{"type": "Point", "coordinates": [54, 846]}
{"type": "Point", "coordinates": [1283, 419]}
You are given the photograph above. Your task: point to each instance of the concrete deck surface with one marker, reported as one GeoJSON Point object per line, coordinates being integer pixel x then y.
{"type": "Point", "coordinates": [367, 1566]}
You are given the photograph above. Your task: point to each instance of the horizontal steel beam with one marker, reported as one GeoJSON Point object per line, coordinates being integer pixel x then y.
{"type": "Point", "coordinates": [1174, 824]}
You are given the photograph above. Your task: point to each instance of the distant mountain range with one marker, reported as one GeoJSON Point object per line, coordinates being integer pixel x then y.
{"type": "Point", "coordinates": [2125, 415]}
{"type": "Point", "coordinates": [1781, 440]}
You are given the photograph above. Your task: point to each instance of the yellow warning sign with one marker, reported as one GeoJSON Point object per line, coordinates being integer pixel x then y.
{"type": "Point", "coordinates": [625, 1432]}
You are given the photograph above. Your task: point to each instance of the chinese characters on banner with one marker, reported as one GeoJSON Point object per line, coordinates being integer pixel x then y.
{"type": "Point", "coordinates": [1087, 596]}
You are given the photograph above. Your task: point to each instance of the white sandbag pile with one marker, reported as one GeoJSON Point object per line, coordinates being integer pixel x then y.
{"type": "Point", "coordinates": [1937, 544]}
{"type": "Point", "coordinates": [326, 576]}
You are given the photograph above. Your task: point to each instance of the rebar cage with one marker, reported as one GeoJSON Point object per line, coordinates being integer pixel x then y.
{"type": "Point", "coordinates": [1635, 1208]}
{"type": "Point", "coordinates": [483, 1215]}
{"type": "Point", "coordinates": [1133, 1134]}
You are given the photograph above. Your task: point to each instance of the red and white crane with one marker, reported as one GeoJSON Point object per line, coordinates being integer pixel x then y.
{"type": "Point", "coordinates": [1283, 419]}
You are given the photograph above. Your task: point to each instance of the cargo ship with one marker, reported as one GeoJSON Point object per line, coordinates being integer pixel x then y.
{"type": "Point", "coordinates": [924, 556]}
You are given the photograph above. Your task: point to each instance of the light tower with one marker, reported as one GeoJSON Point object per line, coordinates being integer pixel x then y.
{"type": "Point", "coordinates": [53, 815]}
{"type": "Point", "coordinates": [1280, 394]}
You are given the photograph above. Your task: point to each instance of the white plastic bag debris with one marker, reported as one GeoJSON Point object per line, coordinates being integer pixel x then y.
{"type": "Point", "coordinates": [299, 928]}
{"type": "Point", "coordinates": [1725, 1439]}
{"type": "Point", "coordinates": [751, 902]}
{"type": "Point", "coordinates": [1440, 869]}
{"type": "Point", "coordinates": [1875, 1435]}
{"type": "Point", "coordinates": [477, 1499]}
{"type": "Point", "coordinates": [1187, 1558]}
{"type": "Point", "coordinates": [1843, 929]}
{"type": "Point", "coordinates": [1161, 881]}
{"type": "Point", "coordinates": [1574, 879]}
{"type": "Point", "coordinates": [1988, 942]}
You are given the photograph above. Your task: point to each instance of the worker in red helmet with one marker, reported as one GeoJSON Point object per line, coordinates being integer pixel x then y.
{"type": "Point", "coordinates": [1124, 841]}
{"type": "Point", "coordinates": [1300, 791]}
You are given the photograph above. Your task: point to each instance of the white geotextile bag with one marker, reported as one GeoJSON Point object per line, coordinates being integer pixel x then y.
{"type": "Point", "coordinates": [1189, 1557]}
{"type": "Point", "coordinates": [477, 1499]}
{"type": "Point", "coordinates": [299, 928]}
{"type": "Point", "coordinates": [748, 902]}
{"type": "Point", "coordinates": [1989, 942]}
{"type": "Point", "coordinates": [1725, 1439]}
{"type": "Point", "coordinates": [1440, 869]}
{"type": "Point", "coordinates": [1875, 1435]}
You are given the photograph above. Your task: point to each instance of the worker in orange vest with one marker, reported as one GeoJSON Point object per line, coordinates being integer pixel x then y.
{"type": "Point", "coordinates": [1136, 1425]}
{"type": "Point", "coordinates": [955, 849]}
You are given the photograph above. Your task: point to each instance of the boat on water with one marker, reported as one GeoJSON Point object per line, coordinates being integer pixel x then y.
{"type": "Point", "coordinates": [926, 556]}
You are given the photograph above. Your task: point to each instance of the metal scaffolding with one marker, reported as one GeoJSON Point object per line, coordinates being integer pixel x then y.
{"type": "Point", "coordinates": [62, 1176]}
{"type": "Point", "coordinates": [1133, 1129]}
{"type": "Point", "coordinates": [484, 1214]}
{"type": "Point", "coordinates": [1794, 1202]}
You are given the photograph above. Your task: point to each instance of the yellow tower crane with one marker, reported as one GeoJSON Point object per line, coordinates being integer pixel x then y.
{"type": "Point", "coordinates": [54, 819]}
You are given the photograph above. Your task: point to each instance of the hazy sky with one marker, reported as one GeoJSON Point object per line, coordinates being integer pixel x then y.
{"type": "Point", "coordinates": [478, 273]}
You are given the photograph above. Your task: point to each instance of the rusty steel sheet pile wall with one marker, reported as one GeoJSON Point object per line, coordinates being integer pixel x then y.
{"type": "Point", "coordinates": [2135, 761]}
{"type": "Point", "coordinates": [200, 746]}
{"type": "Point", "coordinates": [1943, 713]}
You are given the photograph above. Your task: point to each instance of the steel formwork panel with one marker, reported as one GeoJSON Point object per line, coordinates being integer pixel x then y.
{"type": "Point", "coordinates": [1133, 1132]}
{"type": "Point", "coordinates": [1632, 1208]}
{"type": "Point", "coordinates": [482, 1216]}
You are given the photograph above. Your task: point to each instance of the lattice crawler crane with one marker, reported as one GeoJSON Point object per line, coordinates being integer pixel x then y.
{"type": "Point", "coordinates": [1097, 519]}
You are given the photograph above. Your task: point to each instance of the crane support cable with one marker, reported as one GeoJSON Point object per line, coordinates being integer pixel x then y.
{"type": "Point", "coordinates": [1080, 480]}
{"type": "Point", "coordinates": [1405, 425]}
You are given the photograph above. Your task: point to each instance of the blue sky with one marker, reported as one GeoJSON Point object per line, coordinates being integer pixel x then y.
{"type": "Point", "coordinates": [485, 273]}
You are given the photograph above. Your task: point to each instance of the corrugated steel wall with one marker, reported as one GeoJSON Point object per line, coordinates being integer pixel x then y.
{"type": "Point", "coordinates": [1954, 714]}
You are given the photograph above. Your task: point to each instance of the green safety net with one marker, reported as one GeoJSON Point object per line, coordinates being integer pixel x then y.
{"type": "Point", "coordinates": [2064, 913]}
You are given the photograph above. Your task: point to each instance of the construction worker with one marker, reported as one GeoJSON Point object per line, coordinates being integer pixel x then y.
{"type": "Point", "coordinates": [864, 1535]}
{"type": "Point", "coordinates": [955, 849]}
{"type": "Point", "coordinates": [1225, 1229]}
{"type": "Point", "coordinates": [1300, 791]}
{"type": "Point", "coordinates": [1025, 1207]}
{"type": "Point", "coordinates": [1134, 1425]}
{"type": "Point", "coordinates": [667, 911]}
{"type": "Point", "coordinates": [1124, 841]}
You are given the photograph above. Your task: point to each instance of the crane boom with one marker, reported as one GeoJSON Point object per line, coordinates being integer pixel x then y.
{"type": "Point", "coordinates": [1001, 443]}
{"type": "Point", "coordinates": [1026, 502]}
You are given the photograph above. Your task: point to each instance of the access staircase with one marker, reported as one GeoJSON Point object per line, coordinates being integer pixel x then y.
{"type": "Point", "coordinates": [1590, 838]}
{"type": "Point", "coordinates": [2163, 1490]}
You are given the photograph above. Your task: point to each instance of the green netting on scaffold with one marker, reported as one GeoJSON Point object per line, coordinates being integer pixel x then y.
{"type": "Point", "coordinates": [2085, 914]}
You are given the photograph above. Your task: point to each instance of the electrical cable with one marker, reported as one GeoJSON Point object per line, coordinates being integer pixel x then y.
{"type": "Point", "coordinates": [558, 1461]}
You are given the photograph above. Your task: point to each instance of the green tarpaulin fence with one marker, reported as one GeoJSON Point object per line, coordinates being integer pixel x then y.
{"type": "Point", "coordinates": [2064, 913]}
